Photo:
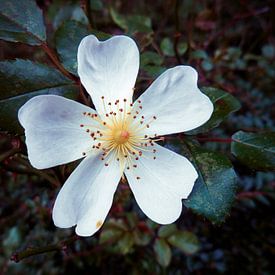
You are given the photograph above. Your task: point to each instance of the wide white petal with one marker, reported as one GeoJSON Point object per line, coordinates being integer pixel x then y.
{"type": "Point", "coordinates": [86, 197]}
{"type": "Point", "coordinates": [162, 183]}
{"type": "Point", "coordinates": [108, 69]}
{"type": "Point", "coordinates": [176, 102]}
{"type": "Point", "coordinates": [52, 129]}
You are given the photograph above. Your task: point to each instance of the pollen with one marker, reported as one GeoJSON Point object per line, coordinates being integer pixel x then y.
{"type": "Point", "coordinates": [120, 134]}
{"type": "Point", "coordinates": [98, 224]}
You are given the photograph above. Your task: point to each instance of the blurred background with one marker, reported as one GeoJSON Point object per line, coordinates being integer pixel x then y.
{"type": "Point", "coordinates": [231, 44]}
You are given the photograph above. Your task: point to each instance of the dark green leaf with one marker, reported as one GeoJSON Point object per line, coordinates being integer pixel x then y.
{"type": "Point", "coordinates": [167, 47]}
{"type": "Point", "coordinates": [67, 39]}
{"type": "Point", "coordinates": [96, 5]}
{"type": "Point", "coordinates": [255, 150]}
{"type": "Point", "coordinates": [214, 190]}
{"type": "Point", "coordinates": [21, 21]}
{"type": "Point", "coordinates": [141, 238]}
{"type": "Point", "coordinates": [163, 252]}
{"type": "Point", "coordinates": [167, 230]}
{"type": "Point", "coordinates": [224, 104]}
{"type": "Point", "coordinates": [125, 243]}
{"type": "Point", "coordinates": [151, 58]}
{"type": "Point", "coordinates": [59, 13]}
{"type": "Point", "coordinates": [132, 23]}
{"type": "Point", "coordinates": [22, 80]}
{"type": "Point", "coordinates": [110, 235]}
{"type": "Point", "coordinates": [186, 241]}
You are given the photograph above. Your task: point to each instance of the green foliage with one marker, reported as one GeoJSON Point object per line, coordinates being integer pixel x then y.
{"type": "Point", "coordinates": [236, 59]}
{"type": "Point", "coordinates": [214, 191]}
{"type": "Point", "coordinates": [132, 23]}
{"type": "Point", "coordinates": [163, 252]}
{"type": "Point", "coordinates": [151, 63]}
{"type": "Point", "coordinates": [21, 21]}
{"type": "Point", "coordinates": [167, 47]}
{"type": "Point", "coordinates": [58, 13]}
{"type": "Point", "coordinates": [255, 150]}
{"type": "Point", "coordinates": [20, 81]}
{"type": "Point", "coordinates": [186, 241]}
{"type": "Point", "coordinates": [224, 104]}
{"type": "Point", "coordinates": [67, 39]}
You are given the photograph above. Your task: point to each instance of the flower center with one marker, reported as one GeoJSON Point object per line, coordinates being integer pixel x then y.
{"type": "Point", "coordinates": [120, 136]}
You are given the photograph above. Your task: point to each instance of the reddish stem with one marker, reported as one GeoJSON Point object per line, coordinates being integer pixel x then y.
{"type": "Point", "coordinates": [56, 62]}
{"type": "Point", "coordinates": [251, 194]}
{"type": "Point", "coordinates": [214, 139]}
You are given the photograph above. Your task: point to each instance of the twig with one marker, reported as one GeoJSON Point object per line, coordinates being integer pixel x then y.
{"type": "Point", "coordinates": [214, 139]}
{"type": "Point", "coordinates": [251, 194]}
{"type": "Point", "coordinates": [32, 251]}
{"type": "Point", "coordinates": [56, 62]}
{"type": "Point", "coordinates": [9, 153]}
{"type": "Point", "coordinates": [86, 6]}
{"type": "Point", "coordinates": [38, 172]}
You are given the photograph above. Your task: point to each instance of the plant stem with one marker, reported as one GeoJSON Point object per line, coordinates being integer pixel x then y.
{"type": "Point", "coordinates": [31, 251]}
{"type": "Point", "coordinates": [214, 139]}
{"type": "Point", "coordinates": [51, 54]}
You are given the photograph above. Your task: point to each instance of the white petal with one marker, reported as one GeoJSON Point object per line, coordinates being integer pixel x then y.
{"type": "Point", "coordinates": [52, 129]}
{"type": "Point", "coordinates": [108, 68]}
{"type": "Point", "coordinates": [177, 103]}
{"type": "Point", "coordinates": [87, 196]}
{"type": "Point", "coordinates": [163, 182]}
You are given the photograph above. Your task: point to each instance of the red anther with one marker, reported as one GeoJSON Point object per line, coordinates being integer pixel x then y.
{"type": "Point", "coordinates": [138, 178]}
{"type": "Point", "coordinates": [140, 107]}
{"type": "Point", "coordinates": [139, 101]}
{"type": "Point", "coordinates": [87, 130]}
{"type": "Point", "coordinates": [84, 113]}
{"type": "Point", "coordinates": [136, 158]}
{"type": "Point", "coordinates": [121, 110]}
{"type": "Point", "coordinates": [147, 126]}
{"type": "Point", "coordinates": [135, 166]}
{"type": "Point", "coordinates": [154, 117]}
{"type": "Point", "coordinates": [142, 117]}
{"type": "Point", "coordinates": [106, 164]}
{"type": "Point", "coordinates": [81, 125]}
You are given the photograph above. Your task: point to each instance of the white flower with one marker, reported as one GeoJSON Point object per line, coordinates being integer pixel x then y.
{"type": "Point", "coordinates": [119, 137]}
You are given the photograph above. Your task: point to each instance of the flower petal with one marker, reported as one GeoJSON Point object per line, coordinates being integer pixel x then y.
{"type": "Point", "coordinates": [176, 102]}
{"type": "Point", "coordinates": [108, 68]}
{"type": "Point", "coordinates": [162, 183]}
{"type": "Point", "coordinates": [52, 129]}
{"type": "Point", "coordinates": [86, 197]}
